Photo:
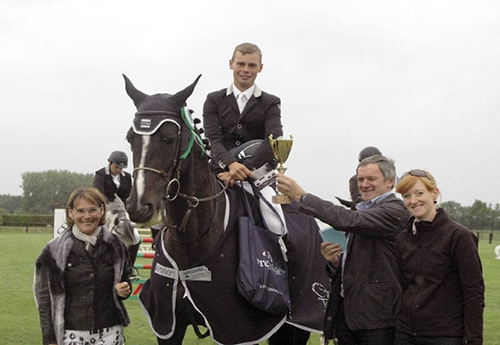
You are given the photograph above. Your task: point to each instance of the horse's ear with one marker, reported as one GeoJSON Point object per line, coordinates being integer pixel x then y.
{"type": "Point", "coordinates": [180, 97]}
{"type": "Point", "coordinates": [136, 95]}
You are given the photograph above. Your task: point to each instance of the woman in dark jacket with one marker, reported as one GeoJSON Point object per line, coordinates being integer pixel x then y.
{"type": "Point", "coordinates": [81, 278]}
{"type": "Point", "coordinates": [440, 271]}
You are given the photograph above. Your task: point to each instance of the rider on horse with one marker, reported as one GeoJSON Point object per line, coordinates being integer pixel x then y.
{"type": "Point", "coordinates": [239, 114]}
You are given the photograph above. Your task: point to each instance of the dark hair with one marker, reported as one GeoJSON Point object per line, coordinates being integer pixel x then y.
{"type": "Point", "coordinates": [90, 194]}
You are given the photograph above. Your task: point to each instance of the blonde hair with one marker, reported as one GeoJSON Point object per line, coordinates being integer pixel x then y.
{"type": "Point", "coordinates": [90, 194]}
{"type": "Point", "coordinates": [247, 48]}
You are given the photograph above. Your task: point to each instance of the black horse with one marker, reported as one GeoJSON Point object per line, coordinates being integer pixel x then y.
{"type": "Point", "coordinates": [193, 279]}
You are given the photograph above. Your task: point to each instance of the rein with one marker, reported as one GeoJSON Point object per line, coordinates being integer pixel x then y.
{"type": "Point", "coordinates": [161, 172]}
{"type": "Point", "coordinates": [189, 211]}
{"type": "Point", "coordinates": [174, 182]}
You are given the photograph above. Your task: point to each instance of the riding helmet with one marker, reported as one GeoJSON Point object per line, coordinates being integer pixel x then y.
{"type": "Point", "coordinates": [119, 158]}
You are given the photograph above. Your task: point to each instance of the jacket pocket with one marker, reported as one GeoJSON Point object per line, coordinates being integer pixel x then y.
{"type": "Point", "coordinates": [382, 299]}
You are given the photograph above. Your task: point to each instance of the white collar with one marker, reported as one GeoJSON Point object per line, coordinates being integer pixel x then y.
{"type": "Point", "coordinates": [254, 90]}
{"type": "Point", "coordinates": [248, 92]}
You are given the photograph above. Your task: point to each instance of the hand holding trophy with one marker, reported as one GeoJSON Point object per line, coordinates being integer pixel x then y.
{"type": "Point", "coordinates": [281, 149]}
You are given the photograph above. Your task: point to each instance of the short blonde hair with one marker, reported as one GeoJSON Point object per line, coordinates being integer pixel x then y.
{"type": "Point", "coordinates": [247, 48]}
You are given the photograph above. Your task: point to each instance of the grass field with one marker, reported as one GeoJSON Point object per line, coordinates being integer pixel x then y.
{"type": "Point", "coordinates": [19, 323]}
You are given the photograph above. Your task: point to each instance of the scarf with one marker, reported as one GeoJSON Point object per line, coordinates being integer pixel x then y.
{"type": "Point", "coordinates": [88, 239]}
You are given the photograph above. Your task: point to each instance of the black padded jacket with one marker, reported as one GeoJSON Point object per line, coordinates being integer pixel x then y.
{"type": "Point", "coordinates": [442, 281]}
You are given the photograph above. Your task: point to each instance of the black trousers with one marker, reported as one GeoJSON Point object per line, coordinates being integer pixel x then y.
{"type": "Point", "coordinates": [403, 338]}
{"type": "Point", "coordinates": [289, 335]}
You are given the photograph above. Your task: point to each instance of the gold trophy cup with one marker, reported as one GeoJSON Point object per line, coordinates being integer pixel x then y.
{"type": "Point", "coordinates": [281, 149]}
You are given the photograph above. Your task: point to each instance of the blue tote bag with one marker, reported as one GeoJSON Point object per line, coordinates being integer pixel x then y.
{"type": "Point", "coordinates": [262, 276]}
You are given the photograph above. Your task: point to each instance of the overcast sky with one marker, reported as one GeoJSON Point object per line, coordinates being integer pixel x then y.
{"type": "Point", "coordinates": [418, 79]}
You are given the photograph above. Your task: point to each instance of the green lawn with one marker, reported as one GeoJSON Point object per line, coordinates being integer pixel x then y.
{"type": "Point", "coordinates": [19, 324]}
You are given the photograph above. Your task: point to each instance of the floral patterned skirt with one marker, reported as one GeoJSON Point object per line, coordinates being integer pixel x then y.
{"type": "Point", "coordinates": [107, 336]}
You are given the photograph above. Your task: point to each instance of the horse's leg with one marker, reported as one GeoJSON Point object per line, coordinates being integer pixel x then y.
{"type": "Point", "coordinates": [177, 337]}
{"type": "Point", "coordinates": [289, 335]}
{"type": "Point", "coordinates": [184, 314]}
{"type": "Point", "coordinates": [132, 252]}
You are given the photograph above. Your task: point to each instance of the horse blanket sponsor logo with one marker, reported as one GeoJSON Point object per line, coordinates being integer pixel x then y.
{"type": "Point", "coordinates": [201, 273]}
{"type": "Point", "coordinates": [165, 271]}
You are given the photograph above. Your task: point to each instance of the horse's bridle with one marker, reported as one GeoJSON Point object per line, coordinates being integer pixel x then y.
{"type": "Point", "coordinates": [173, 175]}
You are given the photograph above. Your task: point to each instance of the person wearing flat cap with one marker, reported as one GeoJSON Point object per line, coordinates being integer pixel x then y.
{"type": "Point", "coordinates": [112, 180]}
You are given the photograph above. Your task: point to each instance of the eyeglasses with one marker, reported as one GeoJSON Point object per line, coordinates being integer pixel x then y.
{"type": "Point", "coordinates": [91, 210]}
{"type": "Point", "coordinates": [416, 173]}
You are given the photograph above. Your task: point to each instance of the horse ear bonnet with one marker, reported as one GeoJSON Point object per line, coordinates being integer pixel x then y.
{"type": "Point", "coordinates": [148, 122]}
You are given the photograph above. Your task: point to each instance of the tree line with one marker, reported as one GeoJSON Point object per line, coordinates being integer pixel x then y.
{"type": "Point", "coordinates": [46, 190]}
{"type": "Point", "coordinates": [43, 192]}
{"type": "Point", "coordinates": [479, 216]}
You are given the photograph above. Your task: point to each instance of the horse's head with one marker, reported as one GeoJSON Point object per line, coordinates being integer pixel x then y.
{"type": "Point", "coordinates": [161, 138]}
{"type": "Point", "coordinates": [118, 222]}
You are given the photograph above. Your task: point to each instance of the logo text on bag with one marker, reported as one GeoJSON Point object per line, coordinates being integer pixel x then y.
{"type": "Point", "coordinates": [267, 262]}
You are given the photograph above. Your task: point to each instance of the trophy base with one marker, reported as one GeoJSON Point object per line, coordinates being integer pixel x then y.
{"type": "Point", "coordinates": [281, 199]}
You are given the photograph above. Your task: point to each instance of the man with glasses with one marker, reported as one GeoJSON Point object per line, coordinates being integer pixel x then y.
{"type": "Point", "coordinates": [365, 294]}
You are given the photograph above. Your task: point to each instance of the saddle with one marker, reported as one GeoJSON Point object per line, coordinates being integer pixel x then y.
{"type": "Point", "coordinates": [257, 155]}
{"type": "Point", "coordinates": [254, 154]}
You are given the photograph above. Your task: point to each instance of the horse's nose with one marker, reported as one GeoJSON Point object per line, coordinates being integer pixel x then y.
{"type": "Point", "coordinates": [141, 214]}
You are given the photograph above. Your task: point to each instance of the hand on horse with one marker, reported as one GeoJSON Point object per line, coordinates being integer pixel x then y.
{"type": "Point", "coordinates": [123, 289]}
{"type": "Point", "coordinates": [238, 171]}
{"type": "Point", "coordinates": [225, 177]}
{"type": "Point", "coordinates": [331, 252]}
{"type": "Point", "coordinates": [288, 186]}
